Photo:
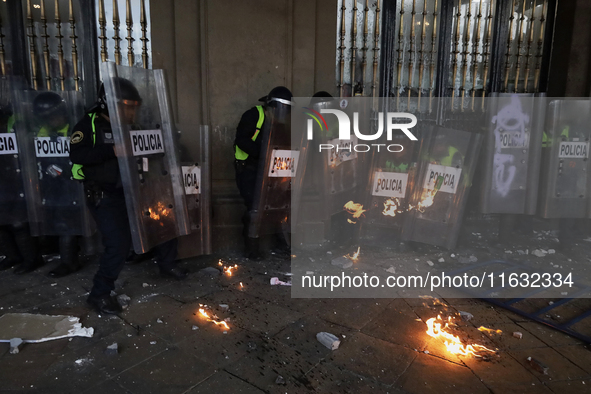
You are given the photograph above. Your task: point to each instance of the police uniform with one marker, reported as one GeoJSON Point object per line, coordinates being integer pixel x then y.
{"type": "Point", "coordinates": [92, 152]}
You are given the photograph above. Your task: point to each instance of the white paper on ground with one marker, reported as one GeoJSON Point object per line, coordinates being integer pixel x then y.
{"type": "Point", "coordinates": [33, 328]}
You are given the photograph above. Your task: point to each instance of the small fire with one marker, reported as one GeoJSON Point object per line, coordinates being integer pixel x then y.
{"type": "Point", "coordinates": [452, 342]}
{"type": "Point", "coordinates": [354, 209]}
{"type": "Point", "coordinates": [153, 214]}
{"type": "Point", "coordinates": [427, 199]}
{"type": "Point", "coordinates": [227, 269]}
{"type": "Point", "coordinates": [489, 330]}
{"type": "Point", "coordinates": [160, 210]}
{"type": "Point", "coordinates": [392, 207]}
{"type": "Point", "coordinates": [216, 322]}
{"type": "Point", "coordinates": [355, 255]}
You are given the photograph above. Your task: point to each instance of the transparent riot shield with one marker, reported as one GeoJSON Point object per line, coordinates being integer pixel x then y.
{"type": "Point", "coordinates": [13, 207]}
{"type": "Point", "coordinates": [55, 202]}
{"type": "Point", "coordinates": [512, 153]}
{"type": "Point", "coordinates": [447, 160]}
{"type": "Point", "coordinates": [278, 166]}
{"type": "Point", "coordinates": [147, 155]}
{"type": "Point", "coordinates": [565, 171]}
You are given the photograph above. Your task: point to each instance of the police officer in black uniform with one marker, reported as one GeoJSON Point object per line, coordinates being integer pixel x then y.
{"type": "Point", "coordinates": [52, 113]}
{"type": "Point", "coordinates": [17, 245]}
{"type": "Point", "coordinates": [92, 151]}
{"type": "Point", "coordinates": [247, 147]}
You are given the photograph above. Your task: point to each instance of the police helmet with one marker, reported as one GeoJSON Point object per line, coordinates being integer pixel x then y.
{"type": "Point", "coordinates": [322, 99]}
{"type": "Point", "coordinates": [278, 95]}
{"type": "Point", "coordinates": [129, 94]}
{"type": "Point", "coordinates": [49, 105]}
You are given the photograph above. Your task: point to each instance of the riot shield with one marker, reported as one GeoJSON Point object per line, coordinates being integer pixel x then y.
{"type": "Point", "coordinates": [278, 165]}
{"type": "Point", "coordinates": [13, 207]}
{"type": "Point", "coordinates": [55, 202]}
{"type": "Point", "coordinates": [565, 170]}
{"type": "Point", "coordinates": [447, 160]}
{"type": "Point", "coordinates": [147, 155]}
{"type": "Point", "coordinates": [512, 153]}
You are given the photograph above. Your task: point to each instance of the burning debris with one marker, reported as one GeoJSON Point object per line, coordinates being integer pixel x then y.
{"type": "Point", "coordinates": [227, 269]}
{"type": "Point", "coordinates": [489, 330]}
{"type": "Point", "coordinates": [354, 209]}
{"type": "Point", "coordinates": [392, 207]}
{"type": "Point", "coordinates": [355, 256]}
{"type": "Point", "coordinates": [437, 328]}
{"type": "Point", "coordinates": [214, 319]}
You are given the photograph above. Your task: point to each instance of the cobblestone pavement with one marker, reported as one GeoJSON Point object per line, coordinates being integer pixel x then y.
{"type": "Point", "coordinates": [167, 346]}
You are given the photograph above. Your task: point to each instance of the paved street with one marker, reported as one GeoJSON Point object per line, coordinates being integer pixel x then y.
{"type": "Point", "coordinates": [167, 346]}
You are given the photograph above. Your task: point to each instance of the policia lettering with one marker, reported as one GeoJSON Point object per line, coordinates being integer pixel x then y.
{"type": "Point", "coordinates": [242, 155]}
{"type": "Point", "coordinates": [8, 144]}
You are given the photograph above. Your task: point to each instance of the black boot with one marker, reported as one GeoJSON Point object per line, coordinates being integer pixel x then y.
{"type": "Point", "coordinates": [252, 249]}
{"type": "Point", "coordinates": [69, 259]}
{"type": "Point", "coordinates": [29, 249]}
{"type": "Point", "coordinates": [8, 249]}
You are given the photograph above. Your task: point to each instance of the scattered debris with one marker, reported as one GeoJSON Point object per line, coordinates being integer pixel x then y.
{"type": "Point", "coordinates": [466, 316]}
{"type": "Point", "coordinates": [539, 253]}
{"type": "Point", "coordinates": [538, 365]}
{"type": "Point", "coordinates": [328, 340]}
{"type": "Point", "coordinates": [329, 252]}
{"type": "Point", "coordinates": [280, 380]}
{"type": "Point", "coordinates": [194, 328]}
{"type": "Point", "coordinates": [159, 321]}
{"type": "Point", "coordinates": [426, 351]}
{"type": "Point", "coordinates": [112, 349]}
{"type": "Point", "coordinates": [518, 335]}
{"type": "Point", "coordinates": [124, 300]}
{"type": "Point", "coordinates": [520, 252]}
{"type": "Point", "coordinates": [145, 285]}
{"type": "Point", "coordinates": [550, 302]}
{"type": "Point", "coordinates": [15, 343]}
{"type": "Point", "coordinates": [82, 361]}
{"type": "Point", "coordinates": [391, 270]}
{"type": "Point", "coordinates": [342, 262]}
{"type": "Point", "coordinates": [309, 272]}
{"type": "Point", "coordinates": [153, 343]}
{"type": "Point", "coordinates": [551, 251]}
{"type": "Point", "coordinates": [430, 263]}
{"type": "Point", "coordinates": [252, 346]}
{"type": "Point", "coordinates": [276, 281]}
{"type": "Point", "coordinates": [311, 259]}
{"type": "Point", "coordinates": [441, 260]}
{"type": "Point", "coordinates": [473, 259]}
{"type": "Point", "coordinates": [224, 307]}
{"type": "Point", "coordinates": [508, 252]}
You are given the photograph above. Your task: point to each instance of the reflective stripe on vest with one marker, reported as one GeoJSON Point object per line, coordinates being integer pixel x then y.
{"type": "Point", "coordinates": [77, 170]}
{"type": "Point", "coordinates": [63, 132]}
{"type": "Point", "coordinates": [242, 155]}
{"type": "Point", "coordinates": [447, 161]}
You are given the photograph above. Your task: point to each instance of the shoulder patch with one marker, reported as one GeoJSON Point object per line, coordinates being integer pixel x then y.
{"type": "Point", "coordinates": [76, 137]}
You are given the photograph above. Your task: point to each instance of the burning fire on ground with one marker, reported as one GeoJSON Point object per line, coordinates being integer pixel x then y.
{"type": "Point", "coordinates": [213, 319]}
{"type": "Point", "coordinates": [438, 328]}
{"type": "Point", "coordinates": [227, 269]}
{"type": "Point", "coordinates": [355, 255]}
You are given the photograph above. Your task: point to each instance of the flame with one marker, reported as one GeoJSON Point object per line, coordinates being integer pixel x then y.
{"type": "Point", "coordinates": [392, 207]}
{"type": "Point", "coordinates": [227, 269]}
{"type": "Point", "coordinates": [159, 210]}
{"type": "Point", "coordinates": [355, 209]}
{"type": "Point", "coordinates": [427, 200]}
{"type": "Point", "coordinates": [355, 255]}
{"type": "Point", "coordinates": [489, 330]}
{"type": "Point", "coordinates": [452, 342]}
{"type": "Point", "coordinates": [216, 322]}
{"type": "Point", "coordinates": [153, 214]}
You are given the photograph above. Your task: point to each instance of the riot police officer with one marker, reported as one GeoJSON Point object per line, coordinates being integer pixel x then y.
{"type": "Point", "coordinates": [17, 245]}
{"type": "Point", "coordinates": [52, 114]}
{"type": "Point", "coordinates": [247, 149]}
{"type": "Point", "coordinates": [95, 162]}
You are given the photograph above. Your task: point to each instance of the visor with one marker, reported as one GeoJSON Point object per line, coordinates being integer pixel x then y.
{"type": "Point", "coordinates": [280, 100]}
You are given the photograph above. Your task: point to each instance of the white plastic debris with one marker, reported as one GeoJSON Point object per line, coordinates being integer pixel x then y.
{"type": "Point", "coordinates": [33, 328]}
{"type": "Point", "coordinates": [159, 321]}
{"type": "Point", "coordinates": [466, 316]}
{"type": "Point", "coordinates": [430, 263]}
{"type": "Point", "coordinates": [328, 340]}
{"type": "Point", "coordinates": [441, 260]}
{"type": "Point", "coordinates": [391, 270]}
{"type": "Point", "coordinates": [194, 328]}
{"type": "Point", "coordinates": [508, 252]}
{"type": "Point", "coordinates": [518, 335]}
{"type": "Point", "coordinates": [539, 253]}
{"type": "Point", "coordinates": [551, 251]}
{"type": "Point", "coordinates": [145, 285]}
{"type": "Point", "coordinates": [224, 307]}
{"type": "Point", "coordinates": [275, 281]}
{"type": "Point", "coordinates": [15, 343]}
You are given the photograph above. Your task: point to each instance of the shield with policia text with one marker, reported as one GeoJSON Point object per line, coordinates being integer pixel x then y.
{"type": "Point", "coordinates": [444, 175]}
{"type": "Point", "coordinates": [13, 207]}
{"type": "Point", "coordinates": [564, 183]}
{"type": "Point", "coordinates": [55, 201]}
{"type": "Point", "coordinates": [512, 153]}
{"type": "Point", "coordinates": [147, 154]}
{"type": "Point", "coordinates": [278, 167]}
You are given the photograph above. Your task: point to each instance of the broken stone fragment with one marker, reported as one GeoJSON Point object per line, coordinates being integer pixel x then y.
{"type": "Point", "coordinates": [112, 349]}
{"type": "Point", "coordinates": [15, 343]}
{"type": "Point", "coordinates": [124, 300]}
{"type": "Point", "coordinates": [518, 335]}
{"type": "Point", "coordinates": [329, 340]}
{"type": "Point", "coordinates": [538, 365]}
{"type": "Point", "coordinates": [466, 316]}
{"type": "Point", "coordinates": [280, 380]}
{"type": "Point", "coordinates": [539, 253]}
{"type": "Point", "coordinates": [224, 307]}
